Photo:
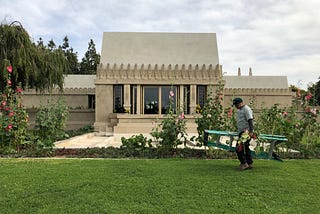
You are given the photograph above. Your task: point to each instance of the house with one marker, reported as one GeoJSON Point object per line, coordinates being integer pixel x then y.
{"type": "Point", "coordinates": [138, 70]}
{"type": "Point", "coordinates": [130, 92]}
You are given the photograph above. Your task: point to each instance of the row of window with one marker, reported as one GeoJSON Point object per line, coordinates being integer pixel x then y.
{"type": "Point", "coordinates": [155, 99]}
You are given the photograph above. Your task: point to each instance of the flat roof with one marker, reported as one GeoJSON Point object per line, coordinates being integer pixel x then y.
{"type": "Point", "coordinates": [79, 81]}
{"type": "Point", "coordinates": [279, 82]}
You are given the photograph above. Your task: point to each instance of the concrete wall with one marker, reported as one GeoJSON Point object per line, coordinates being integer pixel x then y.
{"type": "Point", "coordinates": [132, 123]}
{"type": "Point", "coordinates": [104, 106]}
{"type": "Point", "coordinates": [261, 97]}
{"type": "Point", "coordinates": [75, 98]}
{"type": "Point", "coordinates": [78, 118]}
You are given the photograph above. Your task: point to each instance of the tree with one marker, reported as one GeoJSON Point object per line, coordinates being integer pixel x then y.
{"type": "Point", "coordinates": [51, 45]}
{"type": "Point", "coordinates": [34, 65]}
{"type": "Point", "coordinates": [71, 56]}
{"type": "Point", "coordinates": [314, 89]}
{"type": "Point", "coordinates": [90, 61]}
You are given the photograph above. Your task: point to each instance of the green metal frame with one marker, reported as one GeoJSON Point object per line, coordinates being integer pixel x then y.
{"type": "Point", "coordinates": [273, 139]}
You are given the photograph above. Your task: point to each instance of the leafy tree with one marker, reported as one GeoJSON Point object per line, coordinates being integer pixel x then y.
{"type": "Point", "coordinates": [71, 56]}
{"type": "Point", "coordinates": [90, 61]}
{"type": "Point", "coordinates": [34, 65]}
{"type": "Point", "coordinates": [314, 89]}
{"type": "Point", "coordinates": [51, 45]}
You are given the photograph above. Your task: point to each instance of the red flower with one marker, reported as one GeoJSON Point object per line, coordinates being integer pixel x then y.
{"type": "Point", "coordinates": [9, 69]}
{"type": "Point", "coordinates": [3, 103]}
{"type": "Point", "coordinates": [11, 113]}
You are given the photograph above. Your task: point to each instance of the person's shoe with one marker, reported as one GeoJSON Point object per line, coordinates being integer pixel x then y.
{"type": "Point", "coordinates": [243, 167]}
{"type": "Point", "coordinates": [250, 166]}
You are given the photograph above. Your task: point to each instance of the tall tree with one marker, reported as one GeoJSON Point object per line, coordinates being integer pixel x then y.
{"type": "Point", "coordinates": [51, 45]}
{"type": "Point", "coordinates": [90, 61]}
{"type": "Point", "coordinates": [35, 66]}
{"type": "Point", "coordinates": [314, 89]}
{"type": "Point", "coordinates": [71, 56]}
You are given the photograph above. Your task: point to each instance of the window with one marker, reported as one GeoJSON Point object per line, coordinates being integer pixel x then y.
{"type": "Point", "coordinates": [133, 99]}
{"type": "Point", "coordinates": [151, 100]}
{"type": "Point", "coordinates": [156, 99]}
{"type": "Point", "coordinates": [201, 95]}
{"type": "Point", "coordinates": [186, 99]}
{"type": "Point", "coordinates": [91, 101]}
{"type": "Point", "coordinates": [165, 101]}
{"type": "Point", "coordinates": [118, 99]}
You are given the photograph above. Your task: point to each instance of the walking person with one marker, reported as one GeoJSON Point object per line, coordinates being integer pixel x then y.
{"type": "Point", "coordinates": [245, 131]}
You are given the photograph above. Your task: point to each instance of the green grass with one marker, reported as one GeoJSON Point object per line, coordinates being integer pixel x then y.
{"type": "Point", "coordinates": [158, 186]}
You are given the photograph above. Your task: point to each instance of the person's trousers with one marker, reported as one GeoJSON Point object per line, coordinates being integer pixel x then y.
{"type": "Point", "coordinates": [243, 152]}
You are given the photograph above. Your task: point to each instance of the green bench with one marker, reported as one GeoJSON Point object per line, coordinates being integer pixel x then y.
{"type": "Point", "coordinates": [273, 140]}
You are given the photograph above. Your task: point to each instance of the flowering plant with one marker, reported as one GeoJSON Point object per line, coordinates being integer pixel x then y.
{"type": "Point", "coordinates": [13, 116]}
{"type": "Point", "coordinates": [211, 116]}
{"type": "Point", "coordinates": [171, 132]}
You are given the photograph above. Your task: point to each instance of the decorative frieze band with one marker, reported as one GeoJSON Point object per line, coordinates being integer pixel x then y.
{"type": "Point", "coordinates": [269, 91]}
{"type": "Point", "coordinates": [168, 73]}
{"type": "Point", "coordinates": [66, 91]}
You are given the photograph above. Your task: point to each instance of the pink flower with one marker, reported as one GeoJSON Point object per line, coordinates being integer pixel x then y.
{"type": "Point", "coordinates": [9, 82]}
{"type": "Point", "coordinates": [9, 127]}
{"type": "Point", "coordinates": [9, 69]}
{"type": "Point", "coordinates": [313, 111]}
{"type": "Point", "coordinates": [309, 96]}
{"type": "Point", "coordinates": [181, 117]}
{"type": "Point", "coordinates": [285, 113]}
{"type": "Point", "coordinates": [19, 90]}
{"type": "Point", "coordinates": [171, 94]}
{"type": "Point", "coordinates": [11, 113]}
{"type": "Point", "coordinates": [3, 103]}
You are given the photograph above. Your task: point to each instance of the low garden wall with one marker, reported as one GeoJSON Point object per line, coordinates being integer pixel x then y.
{"type": "Point", "coordinates": [78, 118]}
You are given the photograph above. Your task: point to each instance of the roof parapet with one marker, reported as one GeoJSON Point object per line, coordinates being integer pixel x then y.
{"type": "Point", "coordinates": [159, 72]}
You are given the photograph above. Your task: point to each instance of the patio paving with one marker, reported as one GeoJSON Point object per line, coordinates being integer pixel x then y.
{"type": "Point", "coordinates": [92, 140]}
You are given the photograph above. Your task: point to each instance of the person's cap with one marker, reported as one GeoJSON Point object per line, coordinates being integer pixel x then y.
{"type": "Point", "coordinates": [237, 100]}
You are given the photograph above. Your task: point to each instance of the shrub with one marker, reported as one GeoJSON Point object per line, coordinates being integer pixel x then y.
{"type": "Point", "coordinates": [51, 122]}
{"type": "Point", "coordinates": [135, 145]}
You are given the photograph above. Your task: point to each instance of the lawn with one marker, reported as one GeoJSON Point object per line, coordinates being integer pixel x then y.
{"type": "Point", "coordinates": [158, 186]}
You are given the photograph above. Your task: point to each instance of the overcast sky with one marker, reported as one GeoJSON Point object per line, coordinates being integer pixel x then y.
{"type": "Point", "coordinates": [274, 37]}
